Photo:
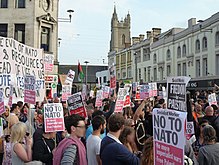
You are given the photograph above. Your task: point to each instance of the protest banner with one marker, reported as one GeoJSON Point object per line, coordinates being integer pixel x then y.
{"type": "Point", "coordinates": [66, 92]}
{"type": "Point", "coordinates": [76, 105]}
{"type": "Point", "coordinates": [84, 92]}
{"type": "Point", "coordinates": [29, 89]}
{"type": "Point", "coordinates": [70, 77]}
{"type": "Point", "coordinates": [153, 87]}
{"type": "Point", "coordinates": [212, 99]}
{"type": "Point", "coordinates": [53, 117]}
{"type": "Point", "coordinates": [2, 106]}
{"type": "Point", "coordinates": [189, 129]}
{"type": "Point", "coordinates": [134, 86]}
{"type": "Point", "coordinates": [169, 136]}
{"type": "Point", "coordinates": [99, 98]}
{"type": "Point", "coordinates": [18, 60]}
{"type": "Point", "coordinates": [10, 96]}
{"type": "Point", "coordinates": [106, 91]}
{"type": "Point", "coordinates": [144, 91]}
{"type": "Point", "coordinates": [112, 71]}
{"type": "Point", "coordinates": [176, 93]}
{"type": "Point", "coordinates": [127, 103]}
{"type": "Point", "coordinates": [49, 61]}
{"type": "Point", "coordinates": [120, 99]}
{"type": "Point", "coordinates": [137, 93]}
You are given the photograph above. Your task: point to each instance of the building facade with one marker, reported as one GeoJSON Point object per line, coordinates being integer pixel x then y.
{"type": "Point", "coordinates": [33, 23]}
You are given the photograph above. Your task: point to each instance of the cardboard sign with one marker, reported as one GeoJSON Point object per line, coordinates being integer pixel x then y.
{"type": "Point", "coordinates": [49, 61]}
{"type": "Point", "coordinates": [153, 87]}
{"type": "Point", "coordinates": [169, 137]}
{"type": "Point", "coordinates": [2, 106]}
{"type": "Point", "coordinates": [212, 99]}
{"type": "Point", "coordinates": [120, 99]}
{"type": "Point", "coordinates": [53, 117]}
{"type": "Point", "coordinates": [99, 98]}
{"type": "Point", "coordinates": [84, 92]}
{"type": "Point", "coordinates": [144, 91]}
{"type": "Point", "coordinates": [176, 93]}
{"type": "Point", "coordinates": [106, 91]}
{"type": "Point", "coordinates": [70, 77]}
{"type": "Point", "coordinates": [29, 90]}
{"type": "Point", "coordinates": [66, 92]}
{"type": "Point", "coordinates": [19, 60]}
{"type": "Point", "coordinates": [76, 105]}
{"type": "Point", "coordinates": [112, 71]}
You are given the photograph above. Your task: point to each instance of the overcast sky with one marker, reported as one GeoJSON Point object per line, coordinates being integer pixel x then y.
{"type": "Point", "coordinates": [87, 38]}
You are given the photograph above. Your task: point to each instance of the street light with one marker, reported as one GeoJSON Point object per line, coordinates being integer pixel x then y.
{"type": "Point", "coordinates": [86, 62]}
{"type": "Point", "coordinates": [200, 26]}
{"type": "Point", "coordinates": [70, 11]}
{"type": "Point", "coordinates": [59, 41]}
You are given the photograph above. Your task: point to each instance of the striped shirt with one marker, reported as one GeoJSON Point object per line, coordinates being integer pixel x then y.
{"type": "Point", "coordinates": [70, 156]}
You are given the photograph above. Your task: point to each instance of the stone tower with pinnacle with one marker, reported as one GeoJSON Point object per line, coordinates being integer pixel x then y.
{"type": "Point", "coordinates": [120, 32]}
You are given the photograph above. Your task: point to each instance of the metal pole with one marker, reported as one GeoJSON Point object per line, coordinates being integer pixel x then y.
{"type": "Point", "coordinates": [86, 62]}
{"type": "Point", "coordinates": [136, 71]}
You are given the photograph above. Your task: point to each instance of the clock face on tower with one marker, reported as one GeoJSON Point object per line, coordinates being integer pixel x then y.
{"type": "Point", "coordinates": [46, 4]}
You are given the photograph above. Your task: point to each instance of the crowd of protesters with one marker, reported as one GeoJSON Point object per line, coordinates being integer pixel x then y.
{"type": "Point", "coordinates": [104, 137]}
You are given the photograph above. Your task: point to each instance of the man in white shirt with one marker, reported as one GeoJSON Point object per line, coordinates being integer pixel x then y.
{"type": "Point", "coordinates": [94, 140]}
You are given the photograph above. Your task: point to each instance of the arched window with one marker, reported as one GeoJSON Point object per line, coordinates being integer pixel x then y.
{"type": "Point", "coordinates": [184, 50]}
{"type": "Point", "coordinates": [168, 54]}
{"type": "Point", "coordinates": [217, 38]}
{"type": "Point", "coordinates": [123, 39]}
{"type": "Point", "coordinates": [155, 58]}
{"type": "Point", "coordinates": [204, 43]}
{"type": "Point", "coordinates": [178, 52]}
{"type": "Point", "coordinates": [197, 45]}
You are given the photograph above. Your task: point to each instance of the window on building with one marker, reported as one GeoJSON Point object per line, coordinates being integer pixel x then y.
{"type": "Point", "coordinates": [123, 73]}
{"type": "Point", "coordinates": [19, 33]}
{"type": "Point", "coordinates": [204, 43]}
{"type": "Point", "coordinates": [118, 75]}
{"type": "Point", "coordinates": [217, 38]}
{"type": "Point", "coordinates": [197, 45]}
{"type": "Point", "coordinates": [45, 37]}
{"type": "Point", "coordinates": [184, 50]}
{"type": "Point", "coordinates": [149, 75]}
{"type": "Point", "coordinates": [123, 39]}
{"type": "Point", "coordinates": [4, 30]}
{"type": "Point", "coordinates": [145, 74]}
{"type": "Point", "coordinates": [129, 72]}
{"type": "Point", "coordinates": [155, 74]}
{"type": "Point", "coordinates": [179, 52]}
{"type": "Point", "coordinates": [146, 54]}
{"type": "Point", "coordinates": [179, 70]}
{"type": "Point", "coordinates": [161, 73]}
{"type": "Point", "coordinates": [155, 59]}
{"type": "Point", "coordinates": [123, 59]}
{"type": "Point", "coordinates": [205, 66]}
{"type": "Point", "coordinates": [139, 74]}
{"type": "Point", "coordinates": [184, 69]}
{"type": "Point", "coordinates": [168, 54]}
{"type": "Point", "coordinates": [20, 3]}
{"type": "Point", "coordinates": [3, 3]}
{"type": "Point", "coordinates": [198, 68]}
{"type": "Point", "coordinates": [104, 79]}
{"type": "Point", "coordinates": [100, 78]}
{"type": "Point", "coordinates": [168, 70]}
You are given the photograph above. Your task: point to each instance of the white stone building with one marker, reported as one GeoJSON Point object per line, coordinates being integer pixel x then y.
{"type": "Point", "coordinates": [33, 23]}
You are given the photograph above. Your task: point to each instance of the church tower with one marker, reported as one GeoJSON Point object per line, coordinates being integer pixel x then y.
{"type": "Point", "coordinates": [120, 32]}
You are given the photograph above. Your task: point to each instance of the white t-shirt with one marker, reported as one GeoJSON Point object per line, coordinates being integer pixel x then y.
{"type": "Point", "coordinates": [93, 149]}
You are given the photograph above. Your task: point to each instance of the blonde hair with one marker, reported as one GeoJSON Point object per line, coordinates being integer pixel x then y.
{"type": "Point", "coordinates": [18, 132]}
{"type": "Point", "coordinates": [7, 107]}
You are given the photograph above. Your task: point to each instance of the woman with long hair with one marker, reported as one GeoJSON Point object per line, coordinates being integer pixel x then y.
{"type": "Point", "coordinates": [21, 144]}
{"type": "Point", "coordinates": [147, 153]}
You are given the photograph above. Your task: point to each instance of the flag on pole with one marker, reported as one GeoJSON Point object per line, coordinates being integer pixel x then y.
{"type": "Point", "coordinates": [80, 73]}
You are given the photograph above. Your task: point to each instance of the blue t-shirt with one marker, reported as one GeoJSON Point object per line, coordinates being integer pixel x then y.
{"type": "Point", "coordinates": [89, 131]}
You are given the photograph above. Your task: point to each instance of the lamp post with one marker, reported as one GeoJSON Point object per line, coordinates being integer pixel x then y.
{"type": "Point", "coordinates": [70, 11]}
{"type": "Point", "coordinates": [86, 62]}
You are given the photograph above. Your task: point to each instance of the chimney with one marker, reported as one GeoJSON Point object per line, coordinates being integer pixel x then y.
{"type": "Point", "coordinates": [135, 40]}
{"type": "Point", "coordinates": [191, 22]}
{"type": "Point", "coordinates": [149, 35]}
{"type": "Point", "coordinates": [141, 37]}
{"type": "Point", "coordinates": [156, 31]}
